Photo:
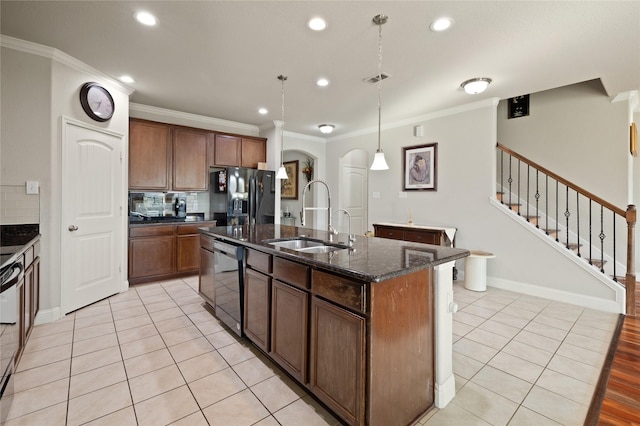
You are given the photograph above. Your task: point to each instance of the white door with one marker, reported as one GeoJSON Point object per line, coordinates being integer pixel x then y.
{"type": "Point", "coordinates": [92, 224]}
{"type": "Point", "coordinates": [353, 197]}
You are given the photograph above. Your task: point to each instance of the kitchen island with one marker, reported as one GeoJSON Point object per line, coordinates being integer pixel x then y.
{"type": "Point", "coordinates": [366, 329]}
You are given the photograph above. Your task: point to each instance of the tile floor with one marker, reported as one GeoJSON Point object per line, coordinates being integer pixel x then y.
{"type": "Point", "coordinates": [155, 356]}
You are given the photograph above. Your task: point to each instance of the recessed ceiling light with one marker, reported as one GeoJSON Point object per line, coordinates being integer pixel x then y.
{"type": "Point", "coordinates": [263, 111]}
{"type": "Point", "coordinates": [441, 24]}
{"type": "Point", "coordinates": [126, 79]}
{"type": "Point", "coordinates": [322, 82]}
{"type": "Point", "coordinates": [317, 24]}
{"type": "Point", "coordinates": [146, 18]}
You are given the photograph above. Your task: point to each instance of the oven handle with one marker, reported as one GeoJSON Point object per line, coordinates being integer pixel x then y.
{"type": "Point", "coordinates": [14, 277]}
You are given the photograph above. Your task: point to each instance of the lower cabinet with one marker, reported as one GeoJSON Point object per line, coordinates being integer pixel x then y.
{"type": "Point", "coordinates": [289, 329]}
{"type": "Point", "coordinates": [164, 251]}
{"type": "Point", "coordinates": [257, 307]}
{"type": "Point", "coordinates": [338, 363]}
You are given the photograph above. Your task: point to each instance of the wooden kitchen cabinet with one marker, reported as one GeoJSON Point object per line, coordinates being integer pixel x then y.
{"type": "Point", "coordinates": [257, 308]}
{"type": "Point", "coordinates": [253, 151]}
{"type": "Point", "coordinates": [164, 251]}
{"type": "Point", "coordinates": [150, 150]}
{"type": "Point", "coordinates": [237, 151]}
{"type": "Point", "coordinates": [190, 168]}
{"type": "Point", "coordinates": [289, 329]}
{"type": "Point", "coordinates": [413, 234]}
{"type": "Point", "coordinates": [228, 150]}
{"type": "Point", "coordinates": [337, 362]}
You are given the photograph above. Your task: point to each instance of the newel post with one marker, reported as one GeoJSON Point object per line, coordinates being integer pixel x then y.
{"type": "Point", "coordinates": [630, 277]}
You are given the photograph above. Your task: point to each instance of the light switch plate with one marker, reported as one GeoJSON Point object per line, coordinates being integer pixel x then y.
{"type": "Point", "coordinates": [32, 187]}
{"type": "Point", "coordinates": [402, 194]}
{"type": "Point", "coordinates": [376, 194]}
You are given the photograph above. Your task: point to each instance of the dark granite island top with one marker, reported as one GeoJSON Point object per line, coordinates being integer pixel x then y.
{"type": "Point", "coordinates": [378, 317]}
{"type": "Point", "coordinates": [370, 259]}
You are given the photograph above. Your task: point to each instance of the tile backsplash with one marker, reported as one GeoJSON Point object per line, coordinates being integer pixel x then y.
{"type": "Point", "coordinates": [16, 207]}
{"type": "Point", "coordinates": [162, 203]}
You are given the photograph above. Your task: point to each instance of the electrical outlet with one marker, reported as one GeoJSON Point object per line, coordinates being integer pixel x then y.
{"type": "Point", "coordinates": [402, 194]}
{"type": "Point", "coordinates": [32, 187]}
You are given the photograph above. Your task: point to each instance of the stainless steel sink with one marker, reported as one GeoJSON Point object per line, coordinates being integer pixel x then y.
{"type": "Point", "coordinates": [305, 245]}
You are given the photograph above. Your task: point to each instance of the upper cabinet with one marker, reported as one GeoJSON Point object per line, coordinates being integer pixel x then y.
{"type": "Point", "coordinates": [149, 156]}
{"type": "Point", "coordinates": [164, 157]}
{"type": "Point", "coordinates": [228, 150]}
{"type": "Point", "coordinates": [190, 168]}
{"type": "Point", "coordinates": [239, 151]}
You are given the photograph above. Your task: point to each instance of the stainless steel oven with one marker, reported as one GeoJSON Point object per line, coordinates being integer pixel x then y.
{"type": "Point", "coordinates": [10, 276]}
{"type": "Point", "coordinates": [229, 284]}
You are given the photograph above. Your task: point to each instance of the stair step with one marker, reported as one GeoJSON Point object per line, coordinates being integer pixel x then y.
{"type": "Point", "coordinates": [551, 232]}
{"type": "Point", "coordinates": [499, 195]}
{"type": "Point", "coordinates": [513, 206]}
{"type": "Point", "coordinates": [531, 219]}
{"type": "Point", "coordinates": [573, 246]}
{"type": "Point", "coordinates": [596, 262]}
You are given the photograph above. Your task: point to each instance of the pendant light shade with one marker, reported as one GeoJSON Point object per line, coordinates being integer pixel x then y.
{"type": "Point", "coordinates": [379, 162]}
{"type": "Point", "coordinates": [282, 172]}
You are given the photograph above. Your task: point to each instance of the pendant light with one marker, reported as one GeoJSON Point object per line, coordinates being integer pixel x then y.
{"type": "Point", "coordinates": [379, 163]}
{"type": "Point", "coordinates": [282, 172]}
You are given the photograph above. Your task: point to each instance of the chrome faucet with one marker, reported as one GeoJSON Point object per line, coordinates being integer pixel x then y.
{"type": "Point", "coordinates": [351, 237]}
{"type": "Point", "coordinates": [328, 208]}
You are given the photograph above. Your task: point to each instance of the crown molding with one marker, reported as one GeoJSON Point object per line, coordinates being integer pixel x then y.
{"type": "Point", "coordinates": [491, 102]}
{"type": "Point", "coordinates": [62, 58]}
{"type": "Point", "coordinates": [216, 123]}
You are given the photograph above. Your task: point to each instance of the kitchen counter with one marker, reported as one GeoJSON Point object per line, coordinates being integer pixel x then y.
{"type": "Point", "coordinates": [406, 291]}
{"type": "Point", "coordinates": [15, 239]}
{"type": "Point", "coordinates": [369, 259]}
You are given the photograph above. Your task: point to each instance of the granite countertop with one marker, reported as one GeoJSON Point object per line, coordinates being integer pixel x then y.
{"type": "Point", "coordinates": [15, 240]}
{"type": "Point", "coordinates": [164, 220]}
{"type": "Point", "coordinates": [370, 259]}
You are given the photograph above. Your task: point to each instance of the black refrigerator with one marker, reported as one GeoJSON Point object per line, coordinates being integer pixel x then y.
{"type": "Point", "coordinates": [241, 196]}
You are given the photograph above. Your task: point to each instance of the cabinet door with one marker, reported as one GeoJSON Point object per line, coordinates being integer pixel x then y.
{"type": "Point", "coordinates": [254, 151]}
{"type": "Point", "coordinates": [228, 150]}
{"type": "Point", "coordinates": [190, 169]}
{"type": "Point", "coordinates": [188, 252]}
{"type": "Point", "coordinates": [20, 311]}
{"type": "Point", "coordinates": [35, 298]}
{"type": "Point", "coordinates": [338, 359]}
{"type": "Point", "coordinates": [289, 329]}
{"type": "Point", "coordinates": [152, 256]}
{"type": "Point", "coordinates": [207, 277]}
{"type": "Point", "coordinates": [149, 156]}
{"type": "Point", "coordinates": [257, 299]}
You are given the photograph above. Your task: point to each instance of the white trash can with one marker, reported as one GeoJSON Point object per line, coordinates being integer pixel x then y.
{"type": "Point", "coordinates": [475, 270]}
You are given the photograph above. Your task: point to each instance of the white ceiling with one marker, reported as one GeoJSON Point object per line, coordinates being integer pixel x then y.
{"type": "Point", "coordinates": [221, 58]}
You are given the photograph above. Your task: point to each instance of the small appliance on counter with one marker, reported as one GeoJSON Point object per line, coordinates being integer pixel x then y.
{"type": "Point", "coordinates": [181, 207]}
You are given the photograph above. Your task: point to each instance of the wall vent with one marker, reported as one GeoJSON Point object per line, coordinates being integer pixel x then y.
{"type": "Point", "coordinates": [375, 78]}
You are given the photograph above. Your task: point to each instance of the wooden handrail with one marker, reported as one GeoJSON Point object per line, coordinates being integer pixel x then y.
{"type": "Point", "coordinates": [562, 180]}
{"type": "Point", "coordinates": [629, 214]}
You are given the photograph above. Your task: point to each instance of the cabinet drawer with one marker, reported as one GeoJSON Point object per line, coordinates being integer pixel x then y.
{"type": "Point", "coordinates": [393, 234]}
{"type": "Point", "coordinates": [206, 242]}
{"type": "Point", "coordinates": [28, 257]}
{"type": "Point", "coordinates": [151, 231]}
{"type": "Point", "coordinates": [259, 261]}
{"type": "Point", "coordinates": [291, 272]}
{"type": "Point", "coordinates": [425, 237]}
{"type": "Point", "coordinates": [343, 291]}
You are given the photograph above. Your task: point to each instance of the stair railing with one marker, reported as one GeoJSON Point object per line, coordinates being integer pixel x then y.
{"type": "Point", "coordinates": [563, 202]}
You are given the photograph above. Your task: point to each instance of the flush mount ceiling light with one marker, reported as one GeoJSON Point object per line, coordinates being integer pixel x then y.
{"type": "Point", "coordinates": [282, 172]}
{"type": "Point", "coordinates": [126, 79]}
{"type": "Point", "coordinates": [326, 128]}
{"type": "Point", "coordinates": [441, 24]}
{"type": "Point", "coordinates": [322, 82]}
{"type": "Point", "coordinates": [317, 24]}
{"type": "Point", "coordinates": [263, 111]}
{"type": "Point", "coordinates": [146, 18]}
{"type": "Point", "coordinates": [379, 162]}
{"type": "Point", "coordinates": [476, 85]}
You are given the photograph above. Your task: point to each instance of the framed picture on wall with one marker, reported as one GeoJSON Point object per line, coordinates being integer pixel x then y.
{"type": "Point", "coordinates": [420, 168]}
{"type": "Point", "coordinates": [289, 187]}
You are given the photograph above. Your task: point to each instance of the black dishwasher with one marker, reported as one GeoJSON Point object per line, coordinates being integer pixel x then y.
{"type": "Point", "coordinates": [229, 284]}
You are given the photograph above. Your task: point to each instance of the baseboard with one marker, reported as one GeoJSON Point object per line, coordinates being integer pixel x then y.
{"type": "Point", "coordinates": [558, 295]}
{"type": "Point", "coordinates": [47, 315]}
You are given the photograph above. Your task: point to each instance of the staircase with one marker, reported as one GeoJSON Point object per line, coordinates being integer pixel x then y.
{"type": "Point", "coordinates": [592, 228]}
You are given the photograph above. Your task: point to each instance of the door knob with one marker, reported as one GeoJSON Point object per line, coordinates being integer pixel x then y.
{"type": "Point", "coordinates": [73, 228]}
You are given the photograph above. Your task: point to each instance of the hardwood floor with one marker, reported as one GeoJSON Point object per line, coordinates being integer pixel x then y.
{"type": "Point", "coordinates": [617, 399]}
